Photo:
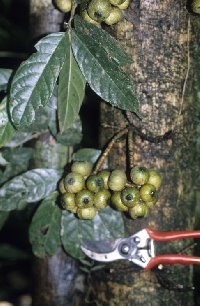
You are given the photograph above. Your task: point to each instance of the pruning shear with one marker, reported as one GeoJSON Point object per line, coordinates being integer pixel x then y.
{"type": "Point", "coordinates": [139, 248]}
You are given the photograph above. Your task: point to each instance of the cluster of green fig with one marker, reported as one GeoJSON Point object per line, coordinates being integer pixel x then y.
{"type": "Point", "coordinates": [97, 11]}
{"type": "Point", "coordinates": [107, 11]}
{"type": "Point", "coordinates": [84, 193]}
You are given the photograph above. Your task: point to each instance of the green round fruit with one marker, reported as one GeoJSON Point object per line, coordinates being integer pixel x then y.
{"type": "Point", "coordinates": [84, 198]}
{"type": "Point", "coordinates": [148, 193]}
{"type": "Point", "coordinates": [117, 2]}
{"type": "Point", "coordinates": [138, 211]}
{"type": "Point", "coordinates": [195, 6]}
{"type": "Point", "coordinates": [152, 203]}
{"type": "Point", "coordinates": [124, 5]}
{"type": "Point", "coordinates": [82, 167]}
{"type": "Point", "coordinates": [117, 180]}
{"type": "Point", "coordinates": [86, 17]}
{"type": "Point", "coordinates": [74, 182]}
{"type": "Point", "coordinates": [99, 10]}
{"type": "Point", "coordinates": [139, 175]}
{"type": "Point", "coordinates": [101, 198]}
{"type": "Point", "coordinates": [117, 202]}
{"type": "Point", "coordinates": [87, 213]}
{"type": "Point", "coordinates": [104, 174]}
{"type": "Point", "coordinates": [61, 187]}
{"type": "Point", "coordinates": [154, 178]}
{"type": "Point", "coordinates": [115, 16]}
{"type": "Point", "coordinates": [68, 202]}
{"type": "Point", "coordinates": [64, 6]}
{"type": "Point", "coordinates": [94, 183]}
{"type": "Point", "coordinates": [130, 196]}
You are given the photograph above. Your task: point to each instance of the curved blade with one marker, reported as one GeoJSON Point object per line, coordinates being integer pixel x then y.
{"type": "Point", "coordinates": [104, 251]}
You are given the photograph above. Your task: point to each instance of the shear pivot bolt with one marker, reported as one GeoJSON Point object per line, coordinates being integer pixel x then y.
{"type": "Point", "coordinates": [125, 249]}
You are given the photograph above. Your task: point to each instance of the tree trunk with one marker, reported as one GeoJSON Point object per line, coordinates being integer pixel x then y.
{"type": "Point", "coordinates": [160, 36]}
{"type": "Point", "coordinates": [54, 277]}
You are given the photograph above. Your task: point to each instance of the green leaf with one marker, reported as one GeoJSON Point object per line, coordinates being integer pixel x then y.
{"type": "Point", "coordinates": [18, 139]}
{"type": "Point", "coordinates": [3, 217]}
{"type": "Point", "coordinates": [5, 75]}
{"type": "Point", "coordinates": [102, 73]}
{"type": "Point", "coordinates": [71, 90]}
{"type": "Point", "coordinates": [6, 128]}
{"type": "Point", "coordinates": [32, 186]}
{"type": "Point", "coordinates": [104, 40]}
{"type": "Point", "coordinates": [108, 225]}
{"type": "Point", "coordinates": [35, 79]}
{"type": "Point", "coordinates": [17, 162]}
{"type": "Point", "coordinates": [87, 154]}
{"type": "Point", "coordinates": [72, 136]}
{"type": "Point", "coordinates": [44, 232]}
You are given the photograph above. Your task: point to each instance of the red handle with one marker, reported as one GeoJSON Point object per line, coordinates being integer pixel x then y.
{"type": "Point", "coordinates": [172, 259]}
{"type": "Point", "coordinates": [168, 236]}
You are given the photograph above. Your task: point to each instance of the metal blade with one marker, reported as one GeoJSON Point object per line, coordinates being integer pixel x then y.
{"type": "Point", "coordinates": [104, 251]}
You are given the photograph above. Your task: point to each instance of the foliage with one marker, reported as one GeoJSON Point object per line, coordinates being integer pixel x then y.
{"type": "Point", "coordinates": [45, 95]}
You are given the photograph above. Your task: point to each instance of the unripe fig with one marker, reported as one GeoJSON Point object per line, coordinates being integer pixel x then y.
{"type": "Point", "coordinates": [114, 17]}
{"type": "Point", "coordinates": [86, 17]}
{"type": "Point", "coordinates": [117, 180]}
{"type": "Point", "coordinates": [82, 167]}
{"type": "Point", "coordinates": [64, 6]}
{"type": "Point", "coordinates": [152, 203]}
{"type": "Point", "coordinates": [154, 178]}
{"type": "Point", "coordinates": [124, 5]}
{"type": "Point", "coordinates": [87, 213]}
{"type": "Point", "coordinates": [139, 175]}
{"type": "Point", "coordinates": [130, 196]}
{"type": "Point", "coordinates": [117, 202]}
{"type": "Point", "coordinates": [138, 211]}
{"type": "Point", "coordinates": [74, 182]}
{"type": "Point", "coordinates": [61, 187]}
{"type": "Point", "coordinates": [94, 183]}
{"type": "Point", "coordinates": [104, 174]}
{"type": "Point", "coordinates": [84, 198]}
{"type": "Point", "coordinates": [68, 202]}
{"type": "Point", "coordinates": [99, 10]}
{"type": "Point", "coordinates": [117, 2]}
{"type": "Point", "coordinates": [195, 6]}
{"type": "Point", "coordinates": [101, 198]}
{"type": "Point", "coordinates": [148, 193]}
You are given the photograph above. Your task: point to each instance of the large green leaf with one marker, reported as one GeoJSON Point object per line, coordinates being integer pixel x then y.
{"type": "Point", "coordinates": [108, 224]}
{"type": "Point", "coordinates": [29, 187]}
{"type": "Point", "coordinates": [35, 79]}
{"type": "Point", "coordinates": [102, 73]}
{"type": "Point", "coordinates": [17, 162]}
{"type": "Point", "coordinates": [72, 136]}
{"type": "Point", "coordinates": [6, 128]}
{"type": "Point", "coordinates": [44, 232]}
{"type": "Point", "coordinates": [104, 40]}
{"type": "Point", "coordinates": [71, 90]}
{"type": "Point", "coordinates": [5, 75]}
{"type": "Point", "coordinates": [87, 154]}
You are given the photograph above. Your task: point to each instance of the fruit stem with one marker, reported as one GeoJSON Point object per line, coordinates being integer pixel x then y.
{"type": "Point", "coordinates": [68, 24]}
{"type": "Point", "coordinates": [130, 148]}
{"type": "Point", "coordinates": [108, 149]}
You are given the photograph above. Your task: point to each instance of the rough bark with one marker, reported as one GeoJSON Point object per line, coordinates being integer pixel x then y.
{"type": "Point", "coordinates": [53, 278]}
{"type": "Point", "coordinates": [160, 36]}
